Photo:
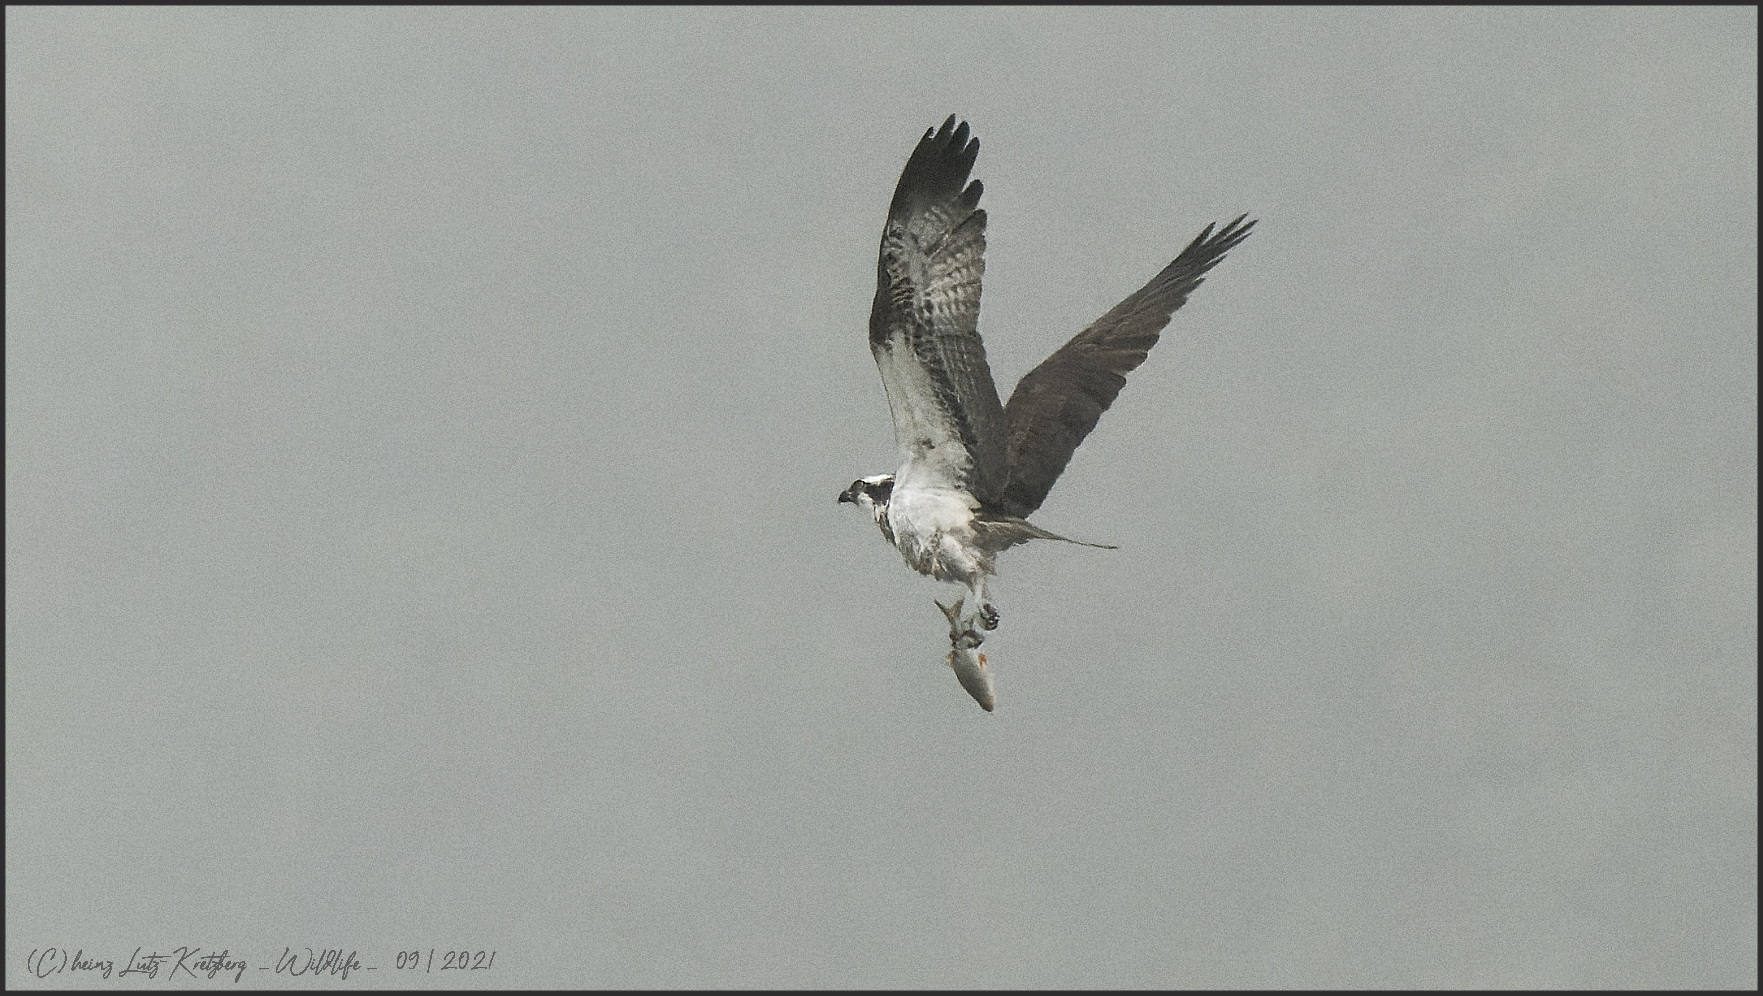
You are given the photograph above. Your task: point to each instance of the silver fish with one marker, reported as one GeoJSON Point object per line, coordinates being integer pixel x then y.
{"type": "Point", "coordinates": [965, 659]}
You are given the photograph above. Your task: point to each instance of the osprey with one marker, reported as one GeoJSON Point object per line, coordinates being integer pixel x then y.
{"type": "Point", "coordinates": [974, 469]}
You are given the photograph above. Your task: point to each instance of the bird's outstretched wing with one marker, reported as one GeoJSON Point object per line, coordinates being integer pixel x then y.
{"type": "Point", "coordinates": [1057, 403]}
{"type": "Point", "coordinates": [924, 327]}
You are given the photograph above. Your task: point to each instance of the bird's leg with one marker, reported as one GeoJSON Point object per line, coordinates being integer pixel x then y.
{"type": "Point", "coordinates": [961, 635]}
{"type": "Point", "coordinates": [988, 613]}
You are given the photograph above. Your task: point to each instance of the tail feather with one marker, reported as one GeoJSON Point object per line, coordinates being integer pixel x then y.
{"type": "Point", "coordinates": [1001, 532]}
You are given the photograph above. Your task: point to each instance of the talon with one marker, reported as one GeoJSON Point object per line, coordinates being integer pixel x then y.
{"type": "Point", "coordinates": [961, 637]}
{"type": "Point", "coordinates": [988, 616]}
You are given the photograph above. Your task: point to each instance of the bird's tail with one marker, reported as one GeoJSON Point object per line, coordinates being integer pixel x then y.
{"type": "Point", "coordinates": [1067, 539]}
{"type": "Point", "coordinates": [1001, 532]}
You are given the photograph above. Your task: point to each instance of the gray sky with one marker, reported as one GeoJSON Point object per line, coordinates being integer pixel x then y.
{"type": "Point", "coordinates": [422, 431]}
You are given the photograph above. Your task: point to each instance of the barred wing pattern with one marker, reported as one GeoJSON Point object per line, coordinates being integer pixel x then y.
{"type": "Point", "coordinates": [924, 325]}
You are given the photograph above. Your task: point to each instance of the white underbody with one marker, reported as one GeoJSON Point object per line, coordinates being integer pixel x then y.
{"type": "Point", "coordinates": [933, 530]}
{"type": "Point", "coordinates": [930, 515]}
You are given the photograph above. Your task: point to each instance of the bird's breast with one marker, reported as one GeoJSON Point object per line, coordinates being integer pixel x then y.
{"type": "Point", "coordinates": [929, 525]}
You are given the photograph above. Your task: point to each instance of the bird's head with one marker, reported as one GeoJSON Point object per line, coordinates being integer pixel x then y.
{"type": "Point", "coordinates": [870, 493]}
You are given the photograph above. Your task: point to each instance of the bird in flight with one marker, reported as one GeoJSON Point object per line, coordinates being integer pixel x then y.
{"type": "Point", "coordinates": [973, 469]}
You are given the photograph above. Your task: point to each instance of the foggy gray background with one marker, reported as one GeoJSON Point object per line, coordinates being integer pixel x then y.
{"type": "Point", "coordinates": [422, 435]}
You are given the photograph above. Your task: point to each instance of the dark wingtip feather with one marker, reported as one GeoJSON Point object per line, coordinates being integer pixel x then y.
{"type": "Point", "coordinates": [1234, 233]}
{"type": "Point", "coordinates": [1207, 250]}
{"type": "Point", "coordinates": [940, 165]}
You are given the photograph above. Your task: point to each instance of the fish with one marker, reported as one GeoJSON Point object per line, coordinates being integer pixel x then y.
{"type": "Point", "coordinates": [965, 659]}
